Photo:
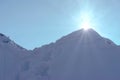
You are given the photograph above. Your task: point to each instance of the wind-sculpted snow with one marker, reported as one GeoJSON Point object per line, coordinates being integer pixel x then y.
{"type": "Point", "coordinates": [81, 55]}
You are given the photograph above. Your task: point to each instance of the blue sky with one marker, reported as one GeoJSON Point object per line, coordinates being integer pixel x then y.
{"type": "Point", "coordinates": [33, 23]}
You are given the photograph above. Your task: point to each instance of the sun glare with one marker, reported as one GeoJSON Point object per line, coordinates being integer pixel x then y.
{"type": "Point", "coordinates": [86, 25]}
{"type": "Point", "coordinates": [86, 28]}
{"type": "Point", "coordinates": [86, 21]}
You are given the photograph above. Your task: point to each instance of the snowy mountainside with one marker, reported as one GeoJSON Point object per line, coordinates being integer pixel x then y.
{"type": "Point", "coordinates": [81, 55]}
{"type": "Point", "coordinates": [39, 64]}
{"type": "Point", "coordinates": [12, 56]}
{"type": "Point", "coordinates": [85, 55]}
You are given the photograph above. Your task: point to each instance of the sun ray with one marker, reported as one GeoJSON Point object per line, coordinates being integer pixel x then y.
{"type": "Point", "coordinates": [86, 20]}
{"type": "Point", "coordinates": [86, 23]}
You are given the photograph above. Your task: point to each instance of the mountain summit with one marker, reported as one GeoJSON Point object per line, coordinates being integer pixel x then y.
{"type": "Point", "coordinates": [83, 37]}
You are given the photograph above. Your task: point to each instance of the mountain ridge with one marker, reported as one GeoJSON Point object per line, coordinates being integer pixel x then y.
{"type": "Point", "coordinates": [80, 55]}
{"type": "Point", "coordinates": [80, 31]}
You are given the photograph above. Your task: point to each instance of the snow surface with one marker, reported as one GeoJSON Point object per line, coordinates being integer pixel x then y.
{"type": "Point", "coordinates": [12, 57]}
{"type": "Point", "coordinates": [81, 55]}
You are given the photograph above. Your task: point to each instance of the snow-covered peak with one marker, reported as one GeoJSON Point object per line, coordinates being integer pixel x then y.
{"type": "Point", "coordinates": [84, 55]}
{"type": "Point", "coordinates": [83, 37]}
{"type": "Point", "coordinates": [82, 34]}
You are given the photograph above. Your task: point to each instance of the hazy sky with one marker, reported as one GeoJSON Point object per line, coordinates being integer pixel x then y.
{"type": "Point", "coordinates": [32, 23]}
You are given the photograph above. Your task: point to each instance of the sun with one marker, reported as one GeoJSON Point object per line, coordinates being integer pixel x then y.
{"type": "Point", "coordinates": [86, 25]}
{"type": "Point", "coordinates": [86, 28]}
{"type": "Point", "coordinates": [86, 21]}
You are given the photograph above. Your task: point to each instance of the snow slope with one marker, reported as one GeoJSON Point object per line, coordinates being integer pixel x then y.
{"type": "Point", "coordinates": [12, 57]}
{"type": "Point", "coordinates": [81, 55]}
{"type": "Point", "coordinates": [85, 55]}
